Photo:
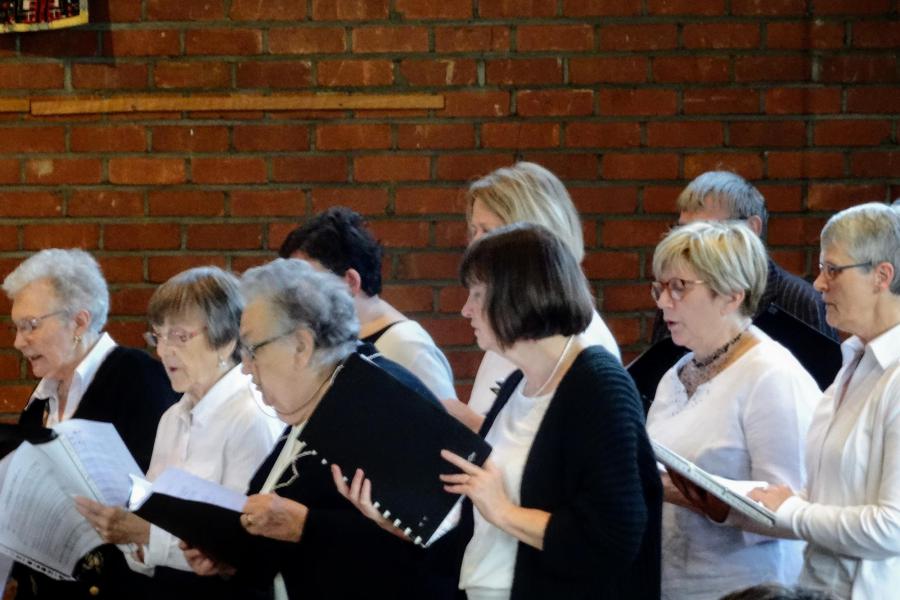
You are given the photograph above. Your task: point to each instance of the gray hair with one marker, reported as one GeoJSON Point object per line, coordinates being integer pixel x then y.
{"type": "Point", "coordinates": [867, 233]}
{"type": "Point", "coordinates": [212, 291]}
{"type": "Point", "coordinates": [75, 276]}
{"type": "Point", "coordinates": [527, 192]}
{"type": "Point", "coordinates": [302, 297]}
{"type": "Point", "coordinates": [730, 190]}
{"type": "Point", "coordinates": [727, 256]}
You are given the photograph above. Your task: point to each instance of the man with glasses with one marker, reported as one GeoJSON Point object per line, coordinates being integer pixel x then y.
{"type": "Point", "coordinates": [726, 196]}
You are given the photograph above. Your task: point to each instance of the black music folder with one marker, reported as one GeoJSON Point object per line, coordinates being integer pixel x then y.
{"type": "Point", "coordinates": [13, 434]}
{"type": "Point", "coordinates": [371, 421]}
{"type": "Point", "coordinates": [648, 368]}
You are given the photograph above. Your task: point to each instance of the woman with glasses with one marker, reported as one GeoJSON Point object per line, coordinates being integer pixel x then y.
{"type": "Point", "coordinates": [849, 510]}
{"type": "Point", "coordinates": [298, 327]}
{"type": "Point", "coordinates": [59, 307]}
{"type": "Point", "coordinates": [217, 431]}
{"type": "Point", "coordinates": [738, 405]}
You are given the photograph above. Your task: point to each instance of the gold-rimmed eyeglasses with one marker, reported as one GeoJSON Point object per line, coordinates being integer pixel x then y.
{"type": "Point", "coordinates": [173, 337]}
{"type": "Point", "coordinates": [677, 287]}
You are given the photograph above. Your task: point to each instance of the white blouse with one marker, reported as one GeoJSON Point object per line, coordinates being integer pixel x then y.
{"type": "Point", "coordinates": [748, 423]}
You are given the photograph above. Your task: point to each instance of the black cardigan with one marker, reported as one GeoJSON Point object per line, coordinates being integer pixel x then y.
{"type": "Point", "coordinates": [592, 468]}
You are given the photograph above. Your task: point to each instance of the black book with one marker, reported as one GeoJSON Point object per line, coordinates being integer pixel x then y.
{"type": "Point", "coordinates": [648, 368]}
{"type": "Point", "coordinates": [369, 420]}
{"type": "Point", "coordinates": [13, 434]}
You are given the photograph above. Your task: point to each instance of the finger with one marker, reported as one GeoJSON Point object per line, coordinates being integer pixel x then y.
{"type": "Point", "coordinates": [459, 461]}
{"type": "Point", "coordinates": [456, 478]}
{"type": "Point", "coordinates": [355, 485]}
{"type": "Point", "coordinates": [339, 482]}
{"type": "Point", "coordinates": [366, 493]}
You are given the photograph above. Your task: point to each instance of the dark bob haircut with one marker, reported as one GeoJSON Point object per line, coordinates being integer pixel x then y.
{"type": "Point", "coordinates": [338, 239]}
{"type": "Point", "coordinates": [535, 287]}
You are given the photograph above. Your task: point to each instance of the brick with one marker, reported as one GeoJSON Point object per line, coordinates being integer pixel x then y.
{"type": "Point", "coordinates": [603, 135]}
{"type": "Point", "coordinates": [805, 34]}
{"type": "Point", "coordinates": [601, 8]}
{"type": "Point", "coordinates": [613, 265]}
{"type": "Point", "coordinates": [529, 71]}
{"type": "Point", "coordinates": [389, 39]}
{"type": "Point", "coordinates": [520, 135]}
{"type": "Point", "coordinates": [451, 234]}
{"type": "Point", "coordinates": [31, 76]}
{"type": "Point", "coordinates": [280, 74]}
{"type": "Point", "coordinates": [255, 138]}
{"type": "Point", "coordinates": [873, 100]}
{"type": "Point", "coordinates": [767, 133]}
{"type": "Point", "coordinates": [660, 198]}
{"type": "Point", "coordinates": [427, 265]}
{"type": "Point", "coordinates": [223, 41]}
{"type": "Point", "coordinates": [16, 140]}
{"type": "Point", "coordinates": [429, 201]}
{"type": "Point", "coordinates": [604, 200]}
{"type": "Point", "coordinates": [519, 9]}
{"type": "Point", "coordinates": [566, 38]}
{"type": "Point", "coordinates": [876, 34]}
{"type": "Point", "coordinates": [464, 364]}
{"type": "Point", "coordinates": [307, 40]}
{"type": "Point", "coordinates": [192, 74]}
{"type": "Point", "coordinates": [409, 298]}
{"type": "Point", "coordinates": [476, 38]}
{"type": "Point", "coordinates": [781, 198]}
{"type": "Point", "coordinates": [30, 204]}
{"type": "Point", "coordinates": [177, 10]}
{"type": "Point", "coordinates": [228, 170]}
{"type": "Point", "coordinates": [141, 42]}
{"type": "Point", "coordinates": [838, 196]}
{"type": "Point", "coordinates": [686, 7]}
{"type": "Point", "coordinates": [465, 167]}
{"type": "Point", "coordinates": [268, 203]}
{"type": "Point", "coordinates": [449, 332]}
{"type": "Point", "coordinates": [474, 104]}
{"type": "Point", "coordinates": [169, 202]}
{"type": "Point", "coordinates": [105, 203]}
{"type": "Point", "coordinates": [772, 68]}
{"type": "Point", "coordinates": [619, 38]}
{"type": "Point", "coordinates": [639, 166]}
{"type": "Point", "coordinates": [365, 201]}
{"type": "Point", "coordinates": [162, 268]}
{"type": "Point", "coordinates": [784, 101]}
{"type": "Point", "coordinates": [861, 68]}
{"type": "Point", "coordinates": [304, 169]}
{"type": "Point", "coordinates": [852, 132]}
{"type": "Point", "coordinates": [9, 366]}
{"type": "Point", "coordinates": [197, 138]}
{"type": "Point", "coordinates": [628, 297]}
{"type": "Point", "coordinates": [677, 69]}
{"type": "Point", "coordinates": [748, 165]}
{"type": "Point", "coordinates": [14, 397]}
{"type": "Point", "coordinates": [56, 171]}
{"type": "Point", "coordinates": [849, 7]}
{"type": "Point", "coordinates": [224, 237]}
{"type": "Point", "coordinates": [626, 69]}
{"type": "Point", "coordinates": [130, 301]}
{"type": "Point", "coordinates": [638, 102]}
{"type": "Point", "coordinates": [625, 331]}
{"type": "Point", "coordinates": [441, 72]}
{"type": "Point", "coordinates": [435, 136]}
{"type": "Point", "coordinates": [875, 164]}
{"type": "Point", "coordinates": [430, 10]}
{"type": "Point", "coordinates": [797, 165]}
{"type": "Point", "coordinates": [400, 234]}
{"type": "Point", "coordinates": [684, 134]}
{"type": "Point", "coordinates": [61, 43]}
{"type": "Point", "coordinates": [711, 101]}
{"type": "Point", "coordinates": [350, 10]}
{"type": "Point", "coordinates": [780, 8]}
{"type": "Point", "coordinates": [272, 10]}
{"type": "Point", "coordinates": [141, 171]}
{"type": "Point", "coordinates": [790, 231]}
{"type": "Point", "coordinates": [116, 12]}
{"type": "Point", "coordinates": [355, 72]}
{"type": "Point", "coordinates": [117, 76]}
{"type": "Point", "coordinates": [41, 235]}
{"type": "Point", "coordinates": [391, 168]}
{"type": "Point", "coordinates": [10, 171]}
{"type": "Point", "coordinates": [720, 35]}
{"type": "Point", "coordinates": [353, 136]}
{"type": "Point", "coordinates": [142, 236]}
{"type": "Point", "coordinates": [569, 102]}
{"type": "Point", "coordinates": [102, 138]}
{"type": "Point", "coordinates": [568, 167]}
{"type": "Point", "coordinates": [452, 298]}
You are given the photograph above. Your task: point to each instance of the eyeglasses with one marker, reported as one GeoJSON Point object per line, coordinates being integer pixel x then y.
{"type": "Point", "coordinates": [27, 326]}
{"type": "Point", "coordinates": [677, 288]}
{"type": "Point", "coordinates": [248, 351]}
{"type": "Point", "coordinates": [832, 271]}
{"type": "Point", "coordinates": [174, 337]}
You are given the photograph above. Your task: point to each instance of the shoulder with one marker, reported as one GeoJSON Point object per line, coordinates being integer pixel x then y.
{"type": "Point", "coordinates": [406, 334]}
{"type": "Point", "coordinates": [598, 375]}
{"type": "Point", "coordinates": [123, 357]}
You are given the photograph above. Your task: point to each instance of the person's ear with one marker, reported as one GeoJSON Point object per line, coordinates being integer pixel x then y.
{"type": "Point", "coordinates": [82, 322]}
{"type": "Point", "coordinates": [754, 222]}
{"type": "Point", "coordinates": [884, 275]}
{"type": "Point", "coordinates": [733, 302]}
{"type": "Point", "coordinates": [354, 281]}
{"type": "Point", "coordinates": [304, 347]}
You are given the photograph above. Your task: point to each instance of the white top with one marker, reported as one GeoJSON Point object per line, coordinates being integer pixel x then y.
{"type": "Point", "coordinates": [748, 423]}
{"type": "Point", "coordinates": [222, 438]}
{"type": "Point", "coordinates": [852, 516]}
{"type": "Point", "coordinates": [409, 345]}
{"type": "Point", "coordinates": [490, 557]}
{"type": "Point", "coordinates": [81, 379]}
{"type": "Point", "coordinates": [494, 369]}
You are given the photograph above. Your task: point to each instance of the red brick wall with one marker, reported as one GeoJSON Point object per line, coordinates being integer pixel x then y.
{"type": "Point", "coordinates": [624, 99]}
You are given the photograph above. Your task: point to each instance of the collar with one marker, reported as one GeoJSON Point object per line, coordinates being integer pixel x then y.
{"type": "Point", "coordinates": [885, 348]}
{"type": "Point", "coordinates": [81, 378]}
{"type": "Point", "coordinates": [221, 391]}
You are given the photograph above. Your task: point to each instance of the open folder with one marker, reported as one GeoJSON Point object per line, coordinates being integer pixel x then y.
{"type": "Point", "coordinates": [731, 492]}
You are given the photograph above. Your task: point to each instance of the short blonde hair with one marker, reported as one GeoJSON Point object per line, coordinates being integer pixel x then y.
{"type": "Point", "coordinates": [527, 192]}
{"type": "Point", "coordinates": [727, 256]}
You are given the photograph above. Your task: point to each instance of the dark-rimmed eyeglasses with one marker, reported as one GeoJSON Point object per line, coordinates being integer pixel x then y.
{"type": "Point", "coordinates": [831, 271]}
{"type": "Point", "coordinates": [677, 288]}
{"type": "Point", "coordinates": [248, 351]}
{"type": "Point", "coordinates": [27, 326]}
{"type": "Point", "coordinates": [173, 337]}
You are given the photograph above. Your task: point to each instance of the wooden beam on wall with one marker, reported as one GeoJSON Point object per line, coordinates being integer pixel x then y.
{"type": "Point", "coordinates": [125, 104]}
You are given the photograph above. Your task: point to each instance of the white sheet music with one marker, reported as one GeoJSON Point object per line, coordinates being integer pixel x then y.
{"type": "Point", "coordinates": [181, 484]}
